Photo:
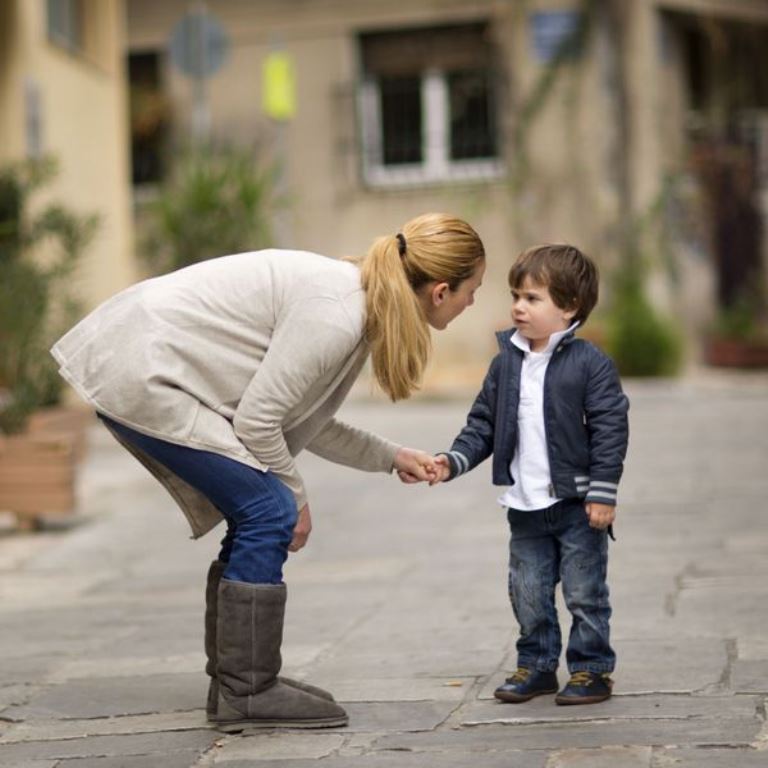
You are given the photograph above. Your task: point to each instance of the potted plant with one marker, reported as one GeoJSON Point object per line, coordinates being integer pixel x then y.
{"type": "Point", "coordinates": [738, 339]}
{"type": "Point", "coordinates": [39, 445]}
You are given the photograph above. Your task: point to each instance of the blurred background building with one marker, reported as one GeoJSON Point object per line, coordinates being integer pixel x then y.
{"type": "Point", "coordinates": [637, 129]}
{"type": "Point", "coordinates": [63, 93]}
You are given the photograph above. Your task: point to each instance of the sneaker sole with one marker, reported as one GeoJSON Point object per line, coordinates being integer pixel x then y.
{"type": "Point", "coordinates": [247, 726]}
{"type": "Point", "coordinates": [572, 700]}
{"type": "Point", "coordinates": [513, 698]}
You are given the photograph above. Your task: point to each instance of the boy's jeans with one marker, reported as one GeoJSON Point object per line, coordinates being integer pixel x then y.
{"type": "Point", "coordinates": [259, 509]}
{"type": "Point", "coordinates": [551, 545]}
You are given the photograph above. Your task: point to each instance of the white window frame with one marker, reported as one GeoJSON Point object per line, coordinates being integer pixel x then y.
{"type": "Point", "coordinates": [437, 166]}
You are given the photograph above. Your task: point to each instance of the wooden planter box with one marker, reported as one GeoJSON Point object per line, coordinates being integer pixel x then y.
{"type": "Point", "coordinates": [62, 422]}
{"type": "Point", "coordinates": [38, 468]}
{"type": "Point", "coordinates": [736, 353]}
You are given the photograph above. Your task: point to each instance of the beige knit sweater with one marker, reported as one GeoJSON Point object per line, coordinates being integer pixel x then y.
{"type": "Point", "coordinates": [248, 356]}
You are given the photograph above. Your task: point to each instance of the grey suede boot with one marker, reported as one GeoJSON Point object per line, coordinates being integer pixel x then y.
{"type": "Point", "coordinates": [249, 634]}
{"type": "Point", "coordinates": [215, 572]}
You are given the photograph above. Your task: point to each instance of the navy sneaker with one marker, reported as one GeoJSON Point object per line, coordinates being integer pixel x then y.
{"type": "Point", "coordinates": [525, 684]}
{"type": "Point", "coordinates": [586, 688]}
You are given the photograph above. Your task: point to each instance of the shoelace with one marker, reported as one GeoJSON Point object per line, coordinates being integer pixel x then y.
{"type": "Point", "coordinates": [581, 678]}
{"type": "Point", "coordinates": [520, 675]}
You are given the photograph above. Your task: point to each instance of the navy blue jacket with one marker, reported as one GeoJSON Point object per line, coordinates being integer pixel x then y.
{"type": "Point", "coordinates": [585, 420]}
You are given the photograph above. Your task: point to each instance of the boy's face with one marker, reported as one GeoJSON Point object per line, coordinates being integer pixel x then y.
{"type": "Point", "coordinates": [536, 316]}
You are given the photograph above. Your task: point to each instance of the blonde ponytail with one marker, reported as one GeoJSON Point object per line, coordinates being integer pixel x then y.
{"type": "Point", "coordinates": [430, 248]}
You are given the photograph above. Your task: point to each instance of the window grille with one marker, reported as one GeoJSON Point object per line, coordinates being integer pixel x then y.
{"type": "Point", "coordinates": [428, 105]}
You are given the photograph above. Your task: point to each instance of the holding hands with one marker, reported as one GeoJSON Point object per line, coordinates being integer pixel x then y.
{"type": "Point", "coordinates": [417, 466]}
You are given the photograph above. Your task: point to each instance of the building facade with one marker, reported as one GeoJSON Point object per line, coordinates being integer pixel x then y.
{"type": "Point", "coordinates": [63, 94]}
{"type": "Point", "coordinates": [565, 120]}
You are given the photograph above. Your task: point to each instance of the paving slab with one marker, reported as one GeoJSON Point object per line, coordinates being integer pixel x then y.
{"type": "Point", "coordinates": [396, 688]}
{"type": "Point", "coordinates": [16, 695]}
{"type": "Point", "coordinates": [619, 708]}
{"type": "Point", "coordinates": [752, 648]}
{"type": "Point", "coordinates": [28, 763]}
{"type": "Point", "coordinates": [401, 716]}
{"type": "Point", "coordinates": [749, 677]}
{"type": "Point", "coordinates": [54, 730]}
{"type": "Point", "coordinates": [684, 731]}
{"type": "Point", "coordinates": [179, 759]}
{"type": "Point", "coordinates": [279, 746]}
{"type": "Point", "coordinates": [399, 606]}
{"type": "Point", "coordinates": [709, 757]}
{"type": "Point", "coordinates": [400, 759]}
{"type": "Point", "coordinates": [110, 697]}
{"type": "Point", "coordinates": [604, 757]}
{"type": "Point", "coordinates": [127, 666]}
{"type": "Point", "coordinates": [157, 744]}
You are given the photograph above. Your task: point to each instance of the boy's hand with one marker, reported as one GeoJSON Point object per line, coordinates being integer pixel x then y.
{"type": "Point", "coordinates": [600, 515]}
{"type": "Point", "coordinates": [443, 470]}
{"type": "Point", "coordinates": [414, 466]}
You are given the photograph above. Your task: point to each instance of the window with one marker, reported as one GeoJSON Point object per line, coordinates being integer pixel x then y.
{"type": "Point", "coordinates": [150, 116]}
{"type": "Point", "coordinates": [428, 105]}
{"type": "Point", "coordinates": [82, 28]}
{"type": "Point", "coordinates": [65, 24]}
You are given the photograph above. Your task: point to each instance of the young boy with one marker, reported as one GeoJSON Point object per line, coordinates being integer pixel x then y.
{"type": "Point", "coordinates": [552, 413]}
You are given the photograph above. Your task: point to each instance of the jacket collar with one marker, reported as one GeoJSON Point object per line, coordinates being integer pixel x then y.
{"type": "Point", "coordinates": [504, 339]}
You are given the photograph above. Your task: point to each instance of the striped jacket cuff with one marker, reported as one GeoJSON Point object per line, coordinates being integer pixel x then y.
{"type": "Point", "coordinates": [600, 491]}
{"type": "Point", "coordinates": [459, 463]}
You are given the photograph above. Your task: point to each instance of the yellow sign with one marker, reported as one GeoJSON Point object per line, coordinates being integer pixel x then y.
{"type": "Point", "coordinates": [278, 84]}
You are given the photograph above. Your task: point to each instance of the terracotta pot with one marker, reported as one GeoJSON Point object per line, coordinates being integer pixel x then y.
{"type": "Point", "coordinates": [736, 353]}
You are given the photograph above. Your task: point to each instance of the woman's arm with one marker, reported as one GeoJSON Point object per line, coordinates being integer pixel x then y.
{"type": "Point", "coordinates": [353, 447]}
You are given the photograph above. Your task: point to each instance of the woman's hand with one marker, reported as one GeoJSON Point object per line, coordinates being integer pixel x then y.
{"type": "Point", "coordinates": [301, 530]}
{"type": "Point", "coordinates": [415, 466]}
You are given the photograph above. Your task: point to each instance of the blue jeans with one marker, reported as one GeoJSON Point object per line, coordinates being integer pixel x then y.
{"type": "Point", "coordinates": [259, 509]}
{"type": "Point", "coordinates": [548, 546]}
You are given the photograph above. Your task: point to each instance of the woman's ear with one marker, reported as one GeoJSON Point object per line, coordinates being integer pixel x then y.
{"type": "Point", "coordinates": [439, 292]}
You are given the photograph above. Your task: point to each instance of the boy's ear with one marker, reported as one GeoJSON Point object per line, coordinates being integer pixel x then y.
{"type": "Point", "coordinates": [572, 311]}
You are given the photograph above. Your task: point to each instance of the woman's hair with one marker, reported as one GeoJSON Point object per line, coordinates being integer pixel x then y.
{"type": "Point", "coordinates": [434, 247]}
{"type": "Point", "coordinates": [570, 276]}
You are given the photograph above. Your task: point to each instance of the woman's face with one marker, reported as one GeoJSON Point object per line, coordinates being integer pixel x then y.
{"type": "Point", "coordinates": [441, 304]}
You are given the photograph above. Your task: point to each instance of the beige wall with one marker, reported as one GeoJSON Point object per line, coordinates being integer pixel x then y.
{"type": "Point", "coordinates": [332, 212]}
{"type": "Point", "coordinates": [83, 106]}
{"type": "Point", "coordinates": [574, 143]}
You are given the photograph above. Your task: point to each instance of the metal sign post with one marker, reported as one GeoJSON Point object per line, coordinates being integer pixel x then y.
{"type": "Point", "coordinates": [198, 48]}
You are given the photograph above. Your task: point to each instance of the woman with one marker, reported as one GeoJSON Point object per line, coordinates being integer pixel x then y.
{"type": "Point", "coordinates": [216, 376]}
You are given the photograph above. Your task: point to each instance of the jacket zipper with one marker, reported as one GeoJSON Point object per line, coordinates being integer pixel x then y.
{"type": "Point", "coordinates": [551, 486]}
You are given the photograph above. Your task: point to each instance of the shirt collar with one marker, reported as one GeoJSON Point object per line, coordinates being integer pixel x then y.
{"type": "Point", "coordinates": [522, 343]}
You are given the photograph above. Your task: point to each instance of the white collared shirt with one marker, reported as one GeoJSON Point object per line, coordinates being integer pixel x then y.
{"type": "Point", "coordinates": [530, 462]}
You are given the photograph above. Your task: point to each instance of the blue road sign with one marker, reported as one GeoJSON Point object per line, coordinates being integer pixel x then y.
{"type": "Point", "coordinates": [198, 44]}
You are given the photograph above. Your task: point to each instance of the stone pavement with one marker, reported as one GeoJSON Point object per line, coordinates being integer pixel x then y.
{"type": "Point", "coordinates": [399, 606]}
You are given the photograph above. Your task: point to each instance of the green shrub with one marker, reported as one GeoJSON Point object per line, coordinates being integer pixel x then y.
{"type": "Point", "coordinates": [216, 200]}
{"type": "Point", "coordinates": [36, 305]}
{"type": "Point", "coordinates": [641, 341]}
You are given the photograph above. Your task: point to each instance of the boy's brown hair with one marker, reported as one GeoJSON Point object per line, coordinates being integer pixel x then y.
{"type": "Point", "coordinates": [570, 276]}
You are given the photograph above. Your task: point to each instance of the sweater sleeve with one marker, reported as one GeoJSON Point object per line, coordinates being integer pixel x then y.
{"type": "Point", "coordinates": [310, 343]}
{"type": "Point", "coordinates": [606, 408]}
{"type": "Point", "coordinates": [353, 447]}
